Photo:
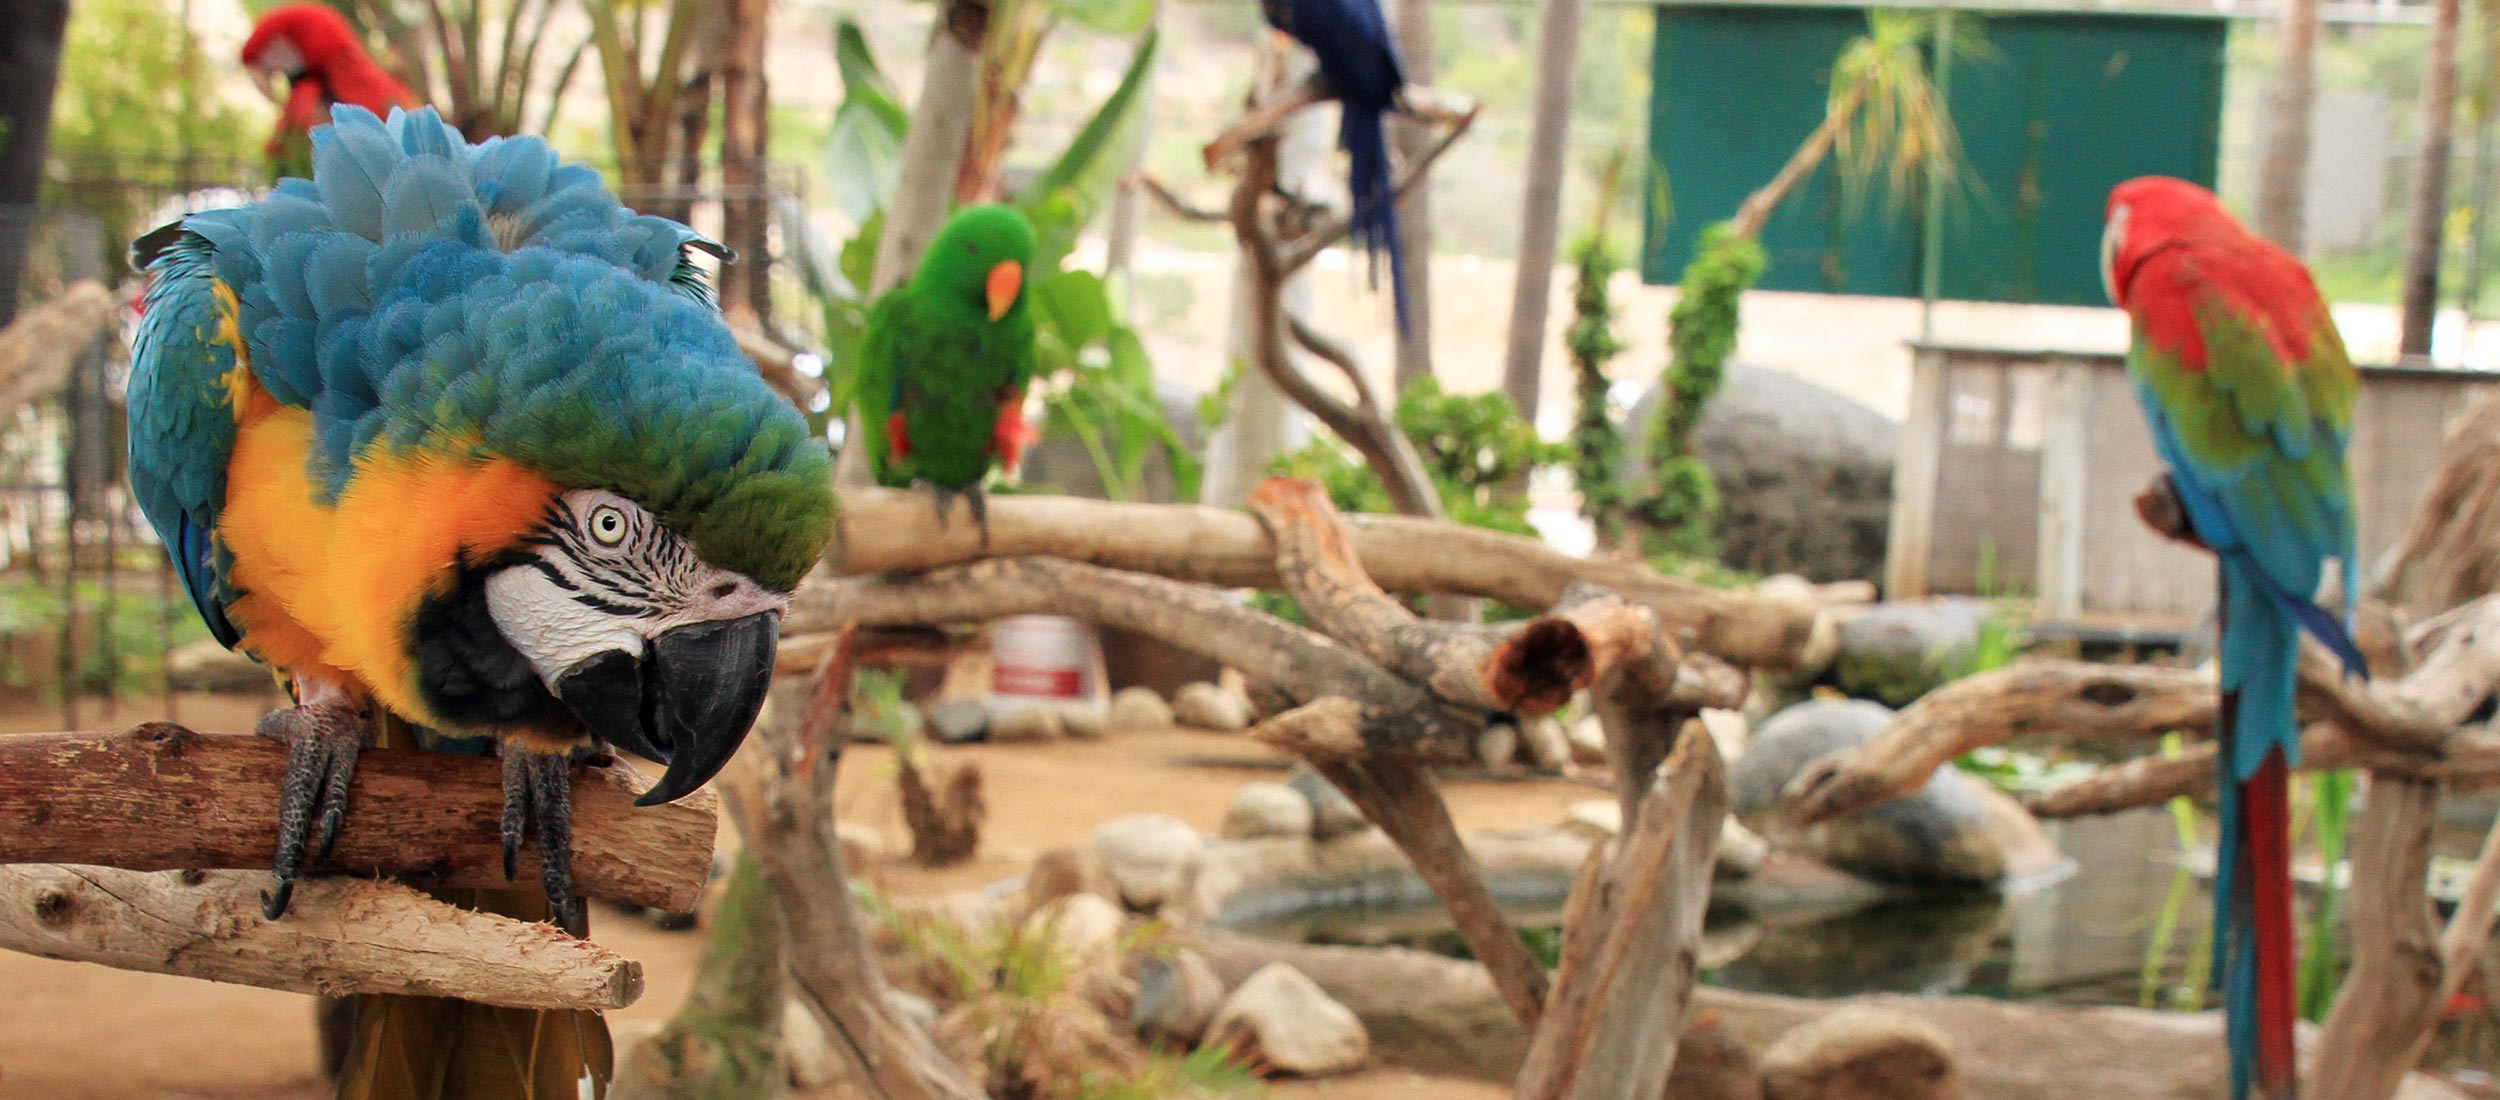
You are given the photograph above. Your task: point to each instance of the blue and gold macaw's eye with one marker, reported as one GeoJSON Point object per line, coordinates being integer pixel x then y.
{"type": "Point", "coordinates": [607, 525]}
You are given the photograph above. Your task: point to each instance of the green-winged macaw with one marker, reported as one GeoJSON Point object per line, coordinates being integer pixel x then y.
{"type": "Point", "coordinates": [2249, 395]}
{"type": "Point", "coordinates": [946, 358]}
{"type": "Point", "coordinates": [458, 445]}
{"type": "Point", "coordinates": [313, 47]}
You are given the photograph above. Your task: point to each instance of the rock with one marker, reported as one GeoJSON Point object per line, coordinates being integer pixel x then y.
{"type": "Point", "coordinates": [913, 1007]}
{"type": "Point", "coordinates": [1588, 742]}
{"type": "Point", "coordinates": [1804, 474]}
{"type": "Point", "coordinates": [860, 844]}
{"type": "Point", "coordinates": [1497, 746]}
{"type": "Point", "coordinates": [1078, 925]}
{"type": "Point", "coordinates": [1063, 871]}
{"type": "Point", "coordinates": [1281, 1020]}
{"type": "Point", "coordinates": [1085, 721]}
{"type": "Point", "coordinates": [1268, 809]}
{"type": "Point", "coordinates": [1897, 652]}
{"type": "Point", "coordinates": [1955, 831]}
{"type": "Point", "coordinates": [1549, 748]}
{"type": "Point", "coordinates": [805, 1050]}
{"type": "Point", "coordinates": [1333, 814]}
{"type": "Point", "coordinates": [1139, 708]}
{"type": "Point", "coordinates": [1208, 707]}
{"type": "Point", "coordinates": [1150, 858]}
{"type": "Point", "coordinates": [1027, 725]}
{"type": "Point", "coordinates": [1594, 818]}
{"type": "Point", "coordinates": [1728, 730]}
{"type": "Point", "coordinates": [1860, 1053]}
{"type": "Point", "coordinates": [958, 721]}
{"type": "Point", "coordinates": [1710, 1064]}
{"type": "Point", "coordinates": [1177, 995]}
{"type": "Point", "coordinates": [206, 666]}
{"type": "Point", "coordinates": [1742, 851]}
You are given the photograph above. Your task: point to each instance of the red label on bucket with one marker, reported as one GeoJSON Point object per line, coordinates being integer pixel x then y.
{"type": "Point", "coordinates": [1015, 680]}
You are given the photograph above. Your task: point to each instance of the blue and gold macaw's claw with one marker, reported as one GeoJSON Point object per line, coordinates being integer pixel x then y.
{"type": "Point", "coordinates": [538, 798]}
{"type": "Point", "coordinates": [322, 742]}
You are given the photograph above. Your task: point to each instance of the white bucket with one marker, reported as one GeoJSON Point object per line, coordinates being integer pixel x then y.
{"type": "Point", "coordinates": [1041, 660]}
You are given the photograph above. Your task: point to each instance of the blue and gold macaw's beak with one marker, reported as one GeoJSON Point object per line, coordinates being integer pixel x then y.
{"type": "Point", "coordinates": [686, 700]}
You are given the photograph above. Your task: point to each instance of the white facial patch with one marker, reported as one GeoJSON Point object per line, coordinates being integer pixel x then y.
{"type": "Point", "coordinates": [2111, 238]}
{"type": "Point", "coordinates": [550, 628]}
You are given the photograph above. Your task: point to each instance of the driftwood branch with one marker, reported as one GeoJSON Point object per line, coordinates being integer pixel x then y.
{"type": "Point", "coordinates": [1398, 716]}
{"type": "Point", "coordinates": [2407, 725]}
{"type": "Point", "coordinates": [340, 936]}
{"type": "Point", "coordinates": [2387, 1001]}
{"type": "Point", "coordinates": [1264, 117]}
{"type": "Point", "coordinates": [1631, 948]}
{"type": "Point", "coordinates": [890, 530]}
{"type": "Point", "coordinates": [782, 791]}
{"type": "Point", "coordinates": [160, 797]}
{"type": "Point", "coordinates": [1398, 795]}
{"type": "Point", "coordinates": [1526, 669]}
{"type": "Point", "coordinates": [1364, 423]}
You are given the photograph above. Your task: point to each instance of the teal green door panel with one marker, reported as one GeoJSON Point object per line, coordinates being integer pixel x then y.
{"type": "Point", "coordinates": [2053, 111]}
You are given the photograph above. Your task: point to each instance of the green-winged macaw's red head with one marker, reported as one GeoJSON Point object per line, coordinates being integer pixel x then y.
{"type": "Point", "coordinates": [2156, 222]}
{"type": "Point", "coordinates": [979, 261]}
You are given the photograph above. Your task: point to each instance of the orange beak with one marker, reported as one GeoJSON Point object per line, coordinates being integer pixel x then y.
{"type": "Point", "coordinates": [1005, 282]}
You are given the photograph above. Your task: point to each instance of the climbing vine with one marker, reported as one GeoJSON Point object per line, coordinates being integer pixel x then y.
{"type": "Point", "coordinates": [1596, 443]}
{"type": "Point", "coordinates": [1681, 498]}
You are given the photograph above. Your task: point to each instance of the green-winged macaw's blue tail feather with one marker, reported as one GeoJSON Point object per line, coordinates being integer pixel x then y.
{"type": "Point", "coordinates": [2258, 743]}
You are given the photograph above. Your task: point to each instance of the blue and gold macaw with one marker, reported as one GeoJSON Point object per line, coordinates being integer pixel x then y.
{"type": "Point", "coordinates": [458, 446]}
{"type": "Point", "coordinates": [2249, 394]}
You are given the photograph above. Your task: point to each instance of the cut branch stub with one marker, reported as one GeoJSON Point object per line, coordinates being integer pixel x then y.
{"type": "Point", "coordinates": [1531, 669]}
{"type": "Point", "coordinates": [160, 797]}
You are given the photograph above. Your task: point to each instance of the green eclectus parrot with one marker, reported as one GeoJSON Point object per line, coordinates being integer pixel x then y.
{"type": "Point", "coordinates": [945, 361]}
{"type": "Point", "coordinates": [459, 446]}
{"type": "Point", "coordinates": [2249, 394]}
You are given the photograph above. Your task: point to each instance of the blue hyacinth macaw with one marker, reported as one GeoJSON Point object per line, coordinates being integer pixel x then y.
{"type": "Point", "coordinates": [1359, 59]}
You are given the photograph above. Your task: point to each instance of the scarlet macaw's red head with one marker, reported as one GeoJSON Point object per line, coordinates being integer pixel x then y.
{"type": "Point", "coordinates": [300, 40]}
{"type": "Point", "coordinates": [2166, 236]}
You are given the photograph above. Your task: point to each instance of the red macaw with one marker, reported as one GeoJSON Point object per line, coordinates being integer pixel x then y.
{"type": "Point", "coordinates": [2249, 394]}
{"type": "Point", "coordinates": [313, 47]}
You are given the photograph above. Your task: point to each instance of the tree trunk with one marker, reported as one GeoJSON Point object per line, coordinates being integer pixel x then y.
{"type": "Point", "coordinates": [1414, 357]}
{"type": "Point", "coordinates": [1757, 207]}
{"type": "Point", "coordinates": [2426, 212]}
{"type": "Point", "coordinates": [725, 1043]}
{"type": "Point", "coordinates": [2282, 185]}
{"type": "Point", "coordinates": [1258, 422]}
{"type": "Point", "coordinates": [745, 211]}
{"type": "Point", "coordinates": [1558, 67]}
{"type": "Point", "coordinates": [30, 64]}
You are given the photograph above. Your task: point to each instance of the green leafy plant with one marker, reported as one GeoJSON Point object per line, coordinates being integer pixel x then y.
{"type": "Point", "coordinates": [1031, 1009]}
{"type": "Point", "coordinates": [1596, 443]}
{"type": "Point", "coordinates": [1477, 450]}
{"type": "Point", "coordinates": [1680, 498]}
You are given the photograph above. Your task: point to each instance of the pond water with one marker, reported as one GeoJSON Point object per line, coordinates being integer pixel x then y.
{"type": "Point", "coordinates": [2127, 926]}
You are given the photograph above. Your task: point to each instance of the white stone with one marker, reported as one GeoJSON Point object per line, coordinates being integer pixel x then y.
{"type": "Point", "coordinates": [1177, 995]}
{"type": "Point", "coordinates": [1027, 725]}
{"type": "Point", "coordinates": [860, 844]}
{"type": "Point", "coordinates": [1078, 925]}
{"type": "Point", "coordinates": [1497, 746]}
{"type": "Point", "coordinates": [1282, 1020]}
{"type": "Point", "coordinates": [1548, 747]}
{"type": "Point", "coordinates": [1150, 858]}
{"type": "Point", "coordinates": [1139, 708]}
{"type": "Point", "coordinates": [1594, 818]}
{"type": "Point", "coordinates": [1268, 809]}
{"type": "Point", "coordinates": [1085, 721]}
{"type": "Point", "coordinates": [1588, 741]}
{"type": "Point", "coordinates": [1209, 707]}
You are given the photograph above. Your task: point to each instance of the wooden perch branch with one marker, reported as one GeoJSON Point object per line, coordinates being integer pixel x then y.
{"type": "Point", "coordinates": [160, 797]}
{"type": "Point", "coordinates": [2408, 725]}
{"type": "Point", "coordinates": [891, 530]}
{"type": "Point", "coordinates": [782, 788]}
{"type": "Point", "coordinates": [1631, 949]}
{"type": "Point", "coordinates": [1530, 669]}
{"type": "Point", "coordinates": [1398, 716]}
{"type": "Point", "coordinates": [339, 937]}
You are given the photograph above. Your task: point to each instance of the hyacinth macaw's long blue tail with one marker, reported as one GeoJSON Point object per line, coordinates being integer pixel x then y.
{"type": "Point", "coordinates": [1364, 134]}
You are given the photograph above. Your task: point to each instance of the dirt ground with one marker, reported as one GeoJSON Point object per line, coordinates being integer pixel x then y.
{"type": "Point", "coordinates": [72, 1031]}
